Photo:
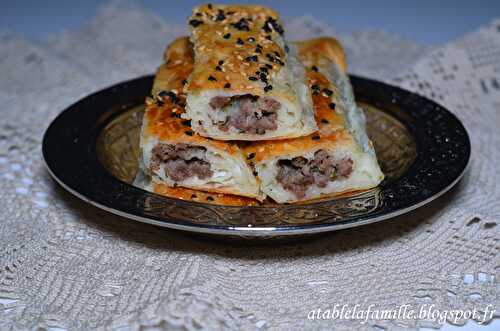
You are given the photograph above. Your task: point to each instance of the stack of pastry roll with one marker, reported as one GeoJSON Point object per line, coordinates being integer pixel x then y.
{"type": "Point", "coordinates": [236, 110]}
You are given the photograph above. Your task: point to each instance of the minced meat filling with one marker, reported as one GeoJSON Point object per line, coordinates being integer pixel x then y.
{"type": "Point", "coordinates": [253, 114]}
{"type": "Point", "coordinates": [180, 161]}
{"type": "Point", "coordinates": [298, 174]}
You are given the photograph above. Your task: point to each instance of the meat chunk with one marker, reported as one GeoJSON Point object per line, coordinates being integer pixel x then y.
{"type": "Point", "coordinates": [180, 161]}
{"type": "Point", "coordinates": [248, 113]}
{"type": "Point", "coordinates": [298, 174]}
{"type": "Point", "coordinates": [219, 102]}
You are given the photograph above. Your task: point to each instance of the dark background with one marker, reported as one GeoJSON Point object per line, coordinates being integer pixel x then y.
{"type": "Point", "coordinates": [424, 21]}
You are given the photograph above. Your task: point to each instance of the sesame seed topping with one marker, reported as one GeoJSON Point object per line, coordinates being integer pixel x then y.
{"type": "Point", "coordinates": [227, 85]}
{"type": "Point", "coordinates": [331, 105]}
{"type": "Point", "coordinates": [314, 68]}
{"type": "Point", "coordinates": [209, 198]}
{"type": "Point", "coordinates": [252, 58]}
{"type": "Point", "coordinates": [184, 82]}
{"type": "Point", "coordinates": [226, 36]}
{"type": "Point", "coordinates": [189, 133]}
{"type": "Point", "coordinates": [328, 92]}
{"type": "Point", "coordinates": [252, 78]}
{"type": "Point", "coordinates": [212, 78]}
{"type": "Point", "coordinates": [186, 123]}
{"type": "Point", "coordinates": [268, 88]}
{"type": "Point", "coordinates": [250, 156]}
{"type": "Point", "coordinates": [240, 41]}
{"type": "Point", "coordinates": [195, 23]}
{"type": "Point", "coordinates": [220, 16]}
{"type": "Point", "coordinates": [241, 25]}
{"type": "Point", "coordinates": [315, 137]}
{"type": "Point", "coordinates": [255, 173]}
{"type": "Point", "coordinates": [221, 62]}
{"type": "Point", "coordinates": [193, 196]}
{"type": "Point", "coordinates": [218, 68]}
{"type": "Point", "coordinates": [324, 121]}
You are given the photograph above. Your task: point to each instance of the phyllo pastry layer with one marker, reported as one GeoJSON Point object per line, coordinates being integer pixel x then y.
{"type": "Point", "coordinates": [246, 83]}
{"type": "Point", "coordinates": [172, 153]}
{"type": "Point", "coordinates": [339, 157]}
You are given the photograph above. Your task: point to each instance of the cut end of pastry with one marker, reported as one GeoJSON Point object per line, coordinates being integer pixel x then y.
{"type": "Point", "coordinates": [318, 174]}
{"type": "Point", "coordinates": [200, 168]}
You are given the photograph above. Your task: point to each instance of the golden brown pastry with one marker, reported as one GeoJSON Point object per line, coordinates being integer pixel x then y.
{"type": "Point", "coordinates": [172, 153]}
{"type": "Point", "coordinates": [246, 83]}
{"type": "Point", "coordinates": [339, 157]}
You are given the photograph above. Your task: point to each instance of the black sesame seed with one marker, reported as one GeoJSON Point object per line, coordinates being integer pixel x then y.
{"type": "Point", "coordinates": [252, 58]}
{"type": "Point", "coordinates": [328, 91]}
{"type": "Point", "coordinates": [240, 41]}
{"type": "Point", "coordinates": [314, 68]}
{"type": "Point", "coordinates": [227, 85]}
{"type": "Point", "coordinates": [315, 137]}
{"type": "Point", "coordinates": [276, 53]}
{"type": "Point", "coordinates": [315, 87]}
{"type": "Point", "coordinates": [195, 23]}
{"type": "Point", "coordinates": [186, 123]}
{"type": "Point", "coordinates": [258, 50]}
{"type": "Point", "coordinates": [324, 121]}
{"type": "Point", "coordinates": [269, 38]}
{"type": "Point", "coordinates": [193, 196]}
{"type": "Point", "coordinates": [272, 23]}
{"type": "Point", "coordinates": [184, 82]}
{"type": "Point", "coordinates": [263, 77]}
{"type": "Point", "coordinates": [270, 66]}
{"type": "Point", "coordinates": [212, 78]}
{"type": "Point", "coordinates": [241, 25]}
{"type": "Point", "coordinates": [251, 39]}
{"type": "Point", "coordinates": [268, 88]}
{"type": "Point", "coordinates": [209, 198]}
{"type": "Point", "coordinates": [255, 173]}
{"type": "Point", "coordinates": [198, 14]}
{"type": "Point", "coordinates": [252, 78]}
{"type": "Point", "coordinates": [250, 156]}
{"type": "Point", "coordinates": [226, 36]}
{"type": "Point", "coordinates": [218, 68]}
{"type": "Point", "coordinates": [220, 62]}
{"type": "Point", "coordinates": [189, 133]}
{"type": "Point", "coordinates": [220, 16]}
{"type": "Point", "coordinates": [331, 105]}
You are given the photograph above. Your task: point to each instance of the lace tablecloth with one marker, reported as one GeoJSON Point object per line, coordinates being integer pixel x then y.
{"type": "Point", "coordinates": [65, 264]}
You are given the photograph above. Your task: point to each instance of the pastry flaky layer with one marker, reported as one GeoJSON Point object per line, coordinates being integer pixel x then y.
{"type": "Point", "coordinates": [246, 82]}
{"type": "Point", "coordinates": [173, 154]}
{"type": "Point", "coordinates": [339, 157]}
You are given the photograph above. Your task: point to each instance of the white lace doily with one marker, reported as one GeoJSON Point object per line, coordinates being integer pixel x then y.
{"type": "Point", "coordinates": [65, 264]}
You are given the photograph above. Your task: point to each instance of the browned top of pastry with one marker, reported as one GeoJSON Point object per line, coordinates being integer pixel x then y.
{"type": "Point", "coordinates": [237, 47]}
